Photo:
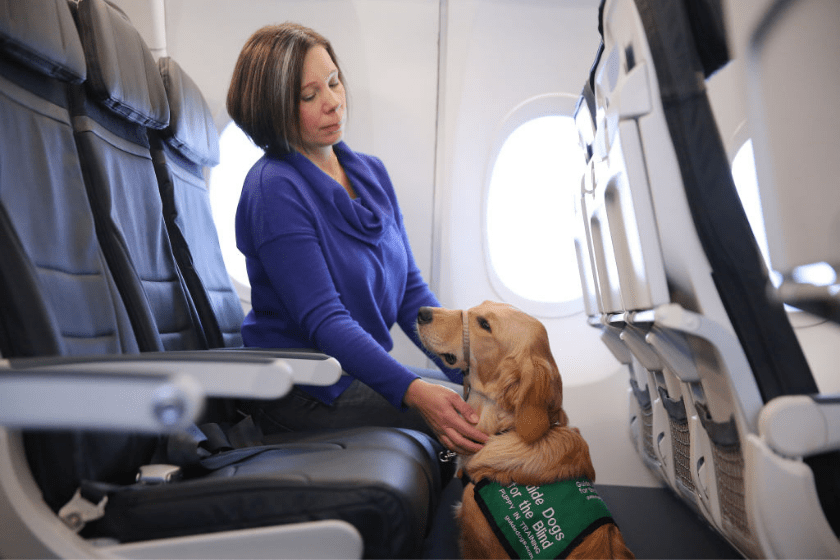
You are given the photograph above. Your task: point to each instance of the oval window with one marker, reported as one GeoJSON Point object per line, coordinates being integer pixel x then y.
{"type": "Point", "coordinates": [530, 216]}
{"type": "Point", "coordinates": [237, 155]}
{"type": "Point", "coordinates": [746, 182]}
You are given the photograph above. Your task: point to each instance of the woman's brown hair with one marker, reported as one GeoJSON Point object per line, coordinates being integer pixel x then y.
{"type": "Point", "coordinates": [264, 95]}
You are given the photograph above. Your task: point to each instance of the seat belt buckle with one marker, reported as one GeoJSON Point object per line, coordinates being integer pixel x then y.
{"type": "Point", "coordinates": [78, 511]}
{"type": "Point", "coordinates": [159, 474]}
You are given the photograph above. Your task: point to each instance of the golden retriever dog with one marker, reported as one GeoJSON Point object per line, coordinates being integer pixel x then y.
{"type": "Point", "coordinates": [528, 491]}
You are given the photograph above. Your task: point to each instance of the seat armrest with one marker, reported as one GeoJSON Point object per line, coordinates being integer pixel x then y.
{"type": "Point", "coordinates": [801, 425]}
{"type": "Point", "coordinates": [822, 301]}
{"type": "Point", "coordinates": [308, 366]}
{"type": "Point", "coordinates": [330, 538]}
{"type": "Point", "coordinates": [81, 398]}
{"type": "Point", "coordinates": [221, 373]}
{"type": "Point", "coordinates": [150, 392]}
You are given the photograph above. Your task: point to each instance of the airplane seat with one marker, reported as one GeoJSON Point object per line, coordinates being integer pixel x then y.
{"type": "Point", "coordinates": [658, 424]}
{"type": "Point", "coordinates": [623, 259]}
{"type": "Point", "coordinates": [122, 97]}
{"type": "Point", "coordinates": [44, 284]}
{"type": "Point", "coordinates": [795, 156]}
{"type": "Point", "coordinates": [680, 280]}
{"type": "Point", "coordinates": [180, 153]}
{"type": "Point", "coordinates": [67, 338]}
{"type": "Point", "coordinates": [605, 299]}
{"type": "Point", "coordinates": [799, 203]}
{"type": "Point", "coordinates": [50, 280]}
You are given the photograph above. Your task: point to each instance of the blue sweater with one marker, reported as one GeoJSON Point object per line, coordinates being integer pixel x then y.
{"type": "Point", "coordinates": [328, 272]}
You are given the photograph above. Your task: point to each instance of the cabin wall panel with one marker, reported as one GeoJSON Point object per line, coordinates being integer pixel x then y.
{"type": "Point", "coordinates": [498, 55]}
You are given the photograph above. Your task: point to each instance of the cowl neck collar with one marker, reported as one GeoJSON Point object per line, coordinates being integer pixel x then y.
{"type": "Point", "coordinates": [365, 217]}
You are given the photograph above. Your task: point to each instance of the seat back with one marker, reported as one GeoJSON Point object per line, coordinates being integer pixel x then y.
{"type": "Point", "coordinates": [181, 152]}
{"type": "Point", "coordinates": [57, 296]}
{"type": "Point", "coordinates": [784, 45]}
{"type": "Point", "coordinates": [800, 203]}
{"type": "Point", "coordinates": [783, 48]}
{"type": "Point", "coordinates": [122, 99]}
{"type": "Point", "coordinates": [678, 275]}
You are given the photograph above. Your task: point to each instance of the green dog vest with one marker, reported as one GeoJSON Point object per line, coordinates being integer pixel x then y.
{"type": "Point", "coordinates": [546, 521]}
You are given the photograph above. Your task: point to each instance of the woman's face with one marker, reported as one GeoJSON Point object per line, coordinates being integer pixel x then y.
{"type": "Point", "coordinates": [322, 101]}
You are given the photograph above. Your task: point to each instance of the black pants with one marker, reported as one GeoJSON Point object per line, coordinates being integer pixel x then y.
{"type": "Point", "coordinates": [357, 406]}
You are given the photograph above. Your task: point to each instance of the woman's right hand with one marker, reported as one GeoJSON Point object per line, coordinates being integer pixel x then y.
{"type": "Point", "coordinates": [451, 418]}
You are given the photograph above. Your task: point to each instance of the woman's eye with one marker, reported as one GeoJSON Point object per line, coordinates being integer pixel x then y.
{"type": "Point", "coordinates": [335, 84]}
{"type": "Point", "coordinates": [482, 322]}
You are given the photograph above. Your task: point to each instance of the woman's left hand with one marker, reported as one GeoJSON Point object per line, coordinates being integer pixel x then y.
{"type": "Point", "coordinates": [452, 419]}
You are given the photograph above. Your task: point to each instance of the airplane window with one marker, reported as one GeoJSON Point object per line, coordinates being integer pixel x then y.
{"type": "Point", "coordinates": [530, 212]}
{"type": "Point", "coordinates": [237, 155]}
{"type": "Point", "coordinates": [746, 181]}
{"type": "Point", "coordinates": [818, 274]}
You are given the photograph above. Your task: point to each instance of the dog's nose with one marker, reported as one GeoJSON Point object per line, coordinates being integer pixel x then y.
{"type": "Point", "coordinates": [424, 316]}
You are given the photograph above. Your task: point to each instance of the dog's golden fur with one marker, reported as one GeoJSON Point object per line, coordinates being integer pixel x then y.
{"type": "Point", "coordinates": [515, 387]}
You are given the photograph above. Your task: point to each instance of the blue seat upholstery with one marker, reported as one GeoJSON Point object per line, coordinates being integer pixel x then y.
{"type": "Point", "coordinates": [50, 280]}
{"type": "Point", "coordinates": [122, 98]}
{"type": "Point", "coordinates": [181, 152]}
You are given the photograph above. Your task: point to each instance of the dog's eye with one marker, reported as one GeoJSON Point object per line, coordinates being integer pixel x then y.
{"type": "Point", "coordinates": [449, 358]}
{"type": "Point", "coordinates": [482, 322]}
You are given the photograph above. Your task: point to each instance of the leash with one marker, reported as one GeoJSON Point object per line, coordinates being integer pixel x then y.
{"type": "Point", "coordinates": [447, 455]}
{"type": "Point", "coordinates": [465, 321]}
{"type": "Point", "coordinates": [465, 337]}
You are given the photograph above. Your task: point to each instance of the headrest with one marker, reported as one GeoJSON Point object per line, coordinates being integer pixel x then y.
{"type": "Point", "coordinates": [41, 34]}
{"type": "Point", "coordinates": [191, 130]}
{"type": "Point", "coordinates": [122, 74]}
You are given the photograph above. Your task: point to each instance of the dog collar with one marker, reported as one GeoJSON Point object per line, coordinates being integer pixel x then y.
{"type": "Point", "coordinates": [480, 394]}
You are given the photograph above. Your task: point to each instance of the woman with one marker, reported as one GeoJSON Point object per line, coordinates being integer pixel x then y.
{"type": "Point", "coordinates": [327, 253]}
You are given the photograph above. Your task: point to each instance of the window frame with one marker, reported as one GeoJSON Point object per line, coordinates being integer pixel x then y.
{"type": "Point", "coordinates": [243, 289]}
{"type": "Point", "coordinates": [546, 105]}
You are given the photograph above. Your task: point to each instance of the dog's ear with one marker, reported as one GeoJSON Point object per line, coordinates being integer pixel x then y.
{"type": "Point", "coordinates": [533, 400]}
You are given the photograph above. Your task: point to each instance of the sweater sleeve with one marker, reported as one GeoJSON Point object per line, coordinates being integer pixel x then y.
{"type": "Point", "coordinates": [417, 292]}
{"type": "Point", "coordinates": [310, 296]}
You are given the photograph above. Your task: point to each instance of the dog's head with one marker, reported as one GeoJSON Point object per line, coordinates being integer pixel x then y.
{"type": "Point", "coordinates": [507, 357]}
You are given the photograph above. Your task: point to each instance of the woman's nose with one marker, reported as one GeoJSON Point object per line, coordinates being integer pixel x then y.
{"type": "Point", "coordinates": [334, 101]}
